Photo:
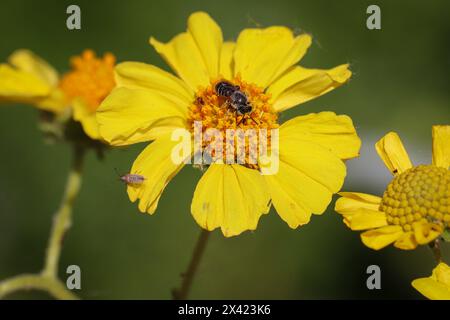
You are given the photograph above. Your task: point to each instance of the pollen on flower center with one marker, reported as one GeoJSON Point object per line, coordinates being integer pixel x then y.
{"type": "Point", "coordinates": [214, 111]}
{"type": "Point", "coordinates": [91, 78]}
{"type": "Point", "coordinates": [421, 193]}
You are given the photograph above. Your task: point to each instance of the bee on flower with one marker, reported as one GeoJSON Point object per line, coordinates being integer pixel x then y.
{"type": "Point", "coordinates": [415, 208]}
{"type": "Point", "coordinates": [242, 84]}
{"type": "Point", "coordinates": [28, 79]}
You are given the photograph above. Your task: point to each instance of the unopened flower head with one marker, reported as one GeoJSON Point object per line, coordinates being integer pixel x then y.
{"type": "Point", "coordinates": [226, 92]}
{"type": "Point", "coordinates": [415, 208]}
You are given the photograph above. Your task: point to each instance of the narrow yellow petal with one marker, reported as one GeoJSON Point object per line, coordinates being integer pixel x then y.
{"type": "Point", "coordinates": [334, 132]}
{"type": "Point", "coordinates": [299, 85]}
{"type": "Point", "coordinates": [28, 62]}
{"type": "Point", "coordinates": [441, 146]}
{"type": "Point", "coordinates": [437, 286]}
{"type": "Point", "coordinates": [381, 237]}
{"type": "Point", "coordinates": [366, 200]}
{"type": "Point", "coordinates": [231, 197]}
{"type": "Point", "coordinates": [137, 75]}
{"type": "Point", "coordinates": [391, 150]}
{"type": "Point", "coordinates": [130, 116]}
{"type": "Point", "coordinates": [208, 37]}
{"type": "Point", "coordinates": [226, 68]}
{"type": "Point", "coordinates": [155, 165]}
{"type": "Point", "coordinates": [425, 232]}
{"type": "Point", "coordinates": [184, 57]}
{"type": "Point", "coordinates": [364, 219]}
{"type": "Point", "coordinates": [262, 55]}
{"type": "Point", "coordinates": [87, 118]}
{"type": "Point", "coordinates": [360, 211]}
{"type": "Point", "coordinates": [406, 242]}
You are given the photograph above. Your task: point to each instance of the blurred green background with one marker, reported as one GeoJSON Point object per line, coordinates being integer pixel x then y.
{"type": "Point", "coordinates": [401, 82]}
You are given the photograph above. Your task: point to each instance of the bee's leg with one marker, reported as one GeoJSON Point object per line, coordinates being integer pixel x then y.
{"type": "Point", "coordinates": [253, 119]}
{"type": "Point", "coordinates": [240, 121]}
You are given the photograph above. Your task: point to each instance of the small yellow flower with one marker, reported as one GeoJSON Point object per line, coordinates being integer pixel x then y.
{"type": "Point", "coordinates": [31, 80]}
{"type": "Point", "coordinates": [149, 103]}
{"type": "Point", "coordinates": [437, 286]}
{"type": "Point", "coordinates": [415, 208]}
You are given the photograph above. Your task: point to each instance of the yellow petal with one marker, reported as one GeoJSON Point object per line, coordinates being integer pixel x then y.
{"type": "Point", "coordinates": [20, 86]}
{"type": "Point", "coordinates": [334, 132]}
{"type": "Point", "coordinates": [314, 161]}
{"type": "Point", "coordinates": [27, 61]}
{"type": "Point", "coordinates": [129, 116]}
{"type": "Point", "coordinates": [308, 175]}
{"type": "Point", "coordinates": [226, 68]}
{"type": "Point", "coordinates": [299, 85]}
{"type": "Point", "coordinates": [425, 232]}
{"type": "Point", "coordinates": [56, 102]}
{"type": "Point", "coordinates": [391, 150]}
{"type": "Point", "coordinates": [431, 289]}
{"type": "Point", "coordinates": [155, 165]}
{"type": "Point", "coordinates": [286, 201]}
{"type": "Point", "coordinates": [194, 55]}
{"type": "Point", "coordinates": [208, 37]}
{"type": "Point", "coordinates": [437, 286]}
{"type": "Point", "coordinates": [381, 237]}
{"type": "Point", "coordinates": [364, 200]}
{"type": "Point", "coordinates": [364, 219]}
{"type": "Point", "coordinates": [231, 197]}
{"type": "Point", "coordinates": [83, 114]}
{"type": "Point", "coordinates": [262, 55]}
{"type": "Point", "coordinates": [441, 146]}
{"type": "Point", "coordinates": [406, 242]}
{"type": "Point", "coordinates": [136, 75]}
{"type": "Point", "coordinates": [360, 211]}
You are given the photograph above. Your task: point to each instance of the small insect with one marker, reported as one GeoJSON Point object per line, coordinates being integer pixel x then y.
{"type": "Point", "coordinates": [200, 101]}
{"type": "Point", "coordinates": [131, 178]}
{"type": "Point", "coordinates": [236, 99]}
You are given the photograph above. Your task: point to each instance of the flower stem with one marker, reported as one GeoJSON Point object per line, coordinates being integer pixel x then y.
{"type": "Point", "coordinates": [182, 292]}
{"type": "Point", "coordinates": [48, 280]}
{"type": "Point", "coordinates": [63, 217]}
{"type": "Point", "coordinates": [39, 282]}
{"type": "Point", "coordinates": [436, 249]}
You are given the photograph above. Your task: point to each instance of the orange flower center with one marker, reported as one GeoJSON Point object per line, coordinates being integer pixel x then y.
{"type": "Point", "coordinates": [222, 113]}
{"type": "Point", "coordinates": [421, 193]}
{"type": "Point", "coordinates": [91, 78]}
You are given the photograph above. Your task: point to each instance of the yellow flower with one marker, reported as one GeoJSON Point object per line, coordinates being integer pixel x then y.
{"type": "Point", "coordinates": [437, 286]}
{"type": "Point", "coordinates": [415, 208]}
{"type": "Point", "coordinates": [149, 103]}
{"type": "Point", "coordinates": [31, 80]}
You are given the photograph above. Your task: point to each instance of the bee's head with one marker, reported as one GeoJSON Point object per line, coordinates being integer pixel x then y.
{"type": "Point", "coordinates": [246, 108]}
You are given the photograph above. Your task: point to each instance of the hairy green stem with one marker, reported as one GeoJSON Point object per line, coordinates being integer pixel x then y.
{"type": "Point", "coordinates": [182, 292]}
{"type": "Point", "coordinates": [63, 217]}
{"type": "Point", "coordinates": [48, 280]}
{"type": "Point", "coordinates": [436, 249]}
{"type": "Point", "coordinates": [37, 282]}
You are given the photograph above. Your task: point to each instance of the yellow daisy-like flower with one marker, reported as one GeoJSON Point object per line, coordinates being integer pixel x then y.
{"type": "Point", "coordinates": [31, 80]}
{"type": "Point", "coordinates": [437, 286]}
{"type": "Point", "coordinates": [150, 103]}
{"type": "Point", "coordinates": [415, 208]}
